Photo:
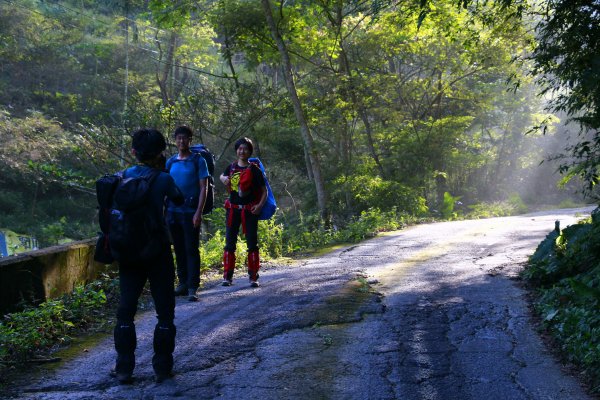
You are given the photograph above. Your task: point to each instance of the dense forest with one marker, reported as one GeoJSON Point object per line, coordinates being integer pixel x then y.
{"type": "Point", "coordinates": [352, 105]}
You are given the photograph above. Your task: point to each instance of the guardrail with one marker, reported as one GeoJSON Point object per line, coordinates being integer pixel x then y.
{"type": "Point", "coordinates": [39, 275]}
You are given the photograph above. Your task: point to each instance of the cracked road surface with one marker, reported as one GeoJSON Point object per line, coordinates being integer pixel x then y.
{"type": "Point", "coordinates": [430, 312]}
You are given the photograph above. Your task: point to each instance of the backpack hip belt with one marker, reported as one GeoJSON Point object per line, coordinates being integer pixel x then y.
{"type": "Point", "coordinates": [243, 207]}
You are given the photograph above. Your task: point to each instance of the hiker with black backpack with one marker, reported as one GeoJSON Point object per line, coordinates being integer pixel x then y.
{"type": "Point", "coordinates": [190, 172]}
{"type": "Point", "coordinates": [247, 197]}
{"type": "Point", "coordinates": [138, 240]}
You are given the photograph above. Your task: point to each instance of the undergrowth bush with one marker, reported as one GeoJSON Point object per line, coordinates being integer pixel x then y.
{"type": "Point", "coordinates": [35, 329]}
{"type": "Point", "coordinates": [496, 209]}
{"type": "Point", "coordinates": [565, 271]}
{"type": "Point", "coordinates": [211, 251]}
{"type": "Point", "coordinates": [448, 204]}
{"type": "Point", "coordinates": [309, 233]}
{"type": "Point", "coordinates": [517, 204]}
{"type": "Point", "coordinates": [366, 191]}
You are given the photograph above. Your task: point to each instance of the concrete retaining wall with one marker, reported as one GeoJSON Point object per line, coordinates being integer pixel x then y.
{"type": "Point", "coordinates": [47, 273]}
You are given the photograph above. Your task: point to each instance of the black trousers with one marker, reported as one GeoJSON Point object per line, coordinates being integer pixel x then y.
{"type": "Point", "coordinates": [160, 273]}
{"type": "Point", "coordinates": [186, 240]}
{"type": "Point", "coordinates": [231, 232]}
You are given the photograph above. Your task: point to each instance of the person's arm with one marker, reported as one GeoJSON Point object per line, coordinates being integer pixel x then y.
{"type": "Point", "coordinates": [197, 219]}
{"type": "Point", "coordinates": [225, 180]}
{"type": "Point", "coordinates": [202, 170]}
{"type": "Point", "coordinates": [258, 180]}
{"type": "Point", "coordinates": [263, 199]}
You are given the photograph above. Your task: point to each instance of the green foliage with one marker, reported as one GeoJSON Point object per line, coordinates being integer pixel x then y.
{"type": "Point", "coordinates": [492, 209]}
{"type": "Point", "coordinates": [10, 201]}
{"type": "Point", "coordinates": [43, 180]}
{"type": "Point", "coordinates": [395, 98]}
{"type": "Point", "coordinates": [52, 233]}
{"type": "Point", "coordinates": [565, 269]}
{"type": "Point", "coordinates": [568, 203]}
{"type": "Point", "coordinates": [517, 204]}
{"type": "Point", "coordinates": [367, 191]}
{"type": "Point", "coordinates": [369, 223]}
{"type": "Point", "coordinates": [567, 62]}
{"type": "Point", "coordinates": [309, 233]}
{"type": "Point", "coordinates": [270, 233]}
{"type": "Point", "coordinates": [448, 206]}
{"type": "Point", "coordinates": [35, 329]}
{"type": "Point", "coordinates": [211, 251]}
{"type": "Point", "coordinates": [563, 254]}
{"type": "Point", "coordinates": [514, 205]}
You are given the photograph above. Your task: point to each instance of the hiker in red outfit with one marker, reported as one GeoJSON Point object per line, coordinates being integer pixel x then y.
{"type": "Point", "coordinates": [247, 196]}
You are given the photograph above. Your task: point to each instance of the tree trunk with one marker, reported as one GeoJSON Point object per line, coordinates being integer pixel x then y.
{"type": "Point", "coordinates": [162, 77]}
{"type": "Point", "coordinates": [298, 110]}
{"type": "Point", "coordinates": [362, 111]}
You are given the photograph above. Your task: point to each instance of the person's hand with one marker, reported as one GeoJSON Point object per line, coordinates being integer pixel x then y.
{"type": "Point", "coordinates": [256, 209]}
{"type": "Point", "coordinates": [227, 182]}
{"type": "Point", "coordinates": [197, 219]}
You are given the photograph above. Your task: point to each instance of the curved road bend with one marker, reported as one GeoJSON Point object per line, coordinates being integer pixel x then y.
{"type": "Point", "coordinates": [443, 319]}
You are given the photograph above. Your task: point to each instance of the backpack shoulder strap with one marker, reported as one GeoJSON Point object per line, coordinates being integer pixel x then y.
{"type": "Point", "coordinates": [170, 162]}
{"type": "Point", "coordinates": [173, 159]}
{"type": "Point", "coordinates": [153, 175]}
{"type": "Point", "coordinates": [196, 168]}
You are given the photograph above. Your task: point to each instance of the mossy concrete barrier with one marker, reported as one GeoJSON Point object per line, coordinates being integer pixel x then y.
{"type": "Point", "coordinates": [39, 275]}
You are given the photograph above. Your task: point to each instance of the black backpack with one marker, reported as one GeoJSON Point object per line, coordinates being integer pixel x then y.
{"type": "Point", "coordinates": [130, 230]}
{"type": "Point", "coordinates": [200, 149]}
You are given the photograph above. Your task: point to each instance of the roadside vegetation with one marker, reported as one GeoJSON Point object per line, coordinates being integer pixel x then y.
{"type": "Point", "coordinates": [27, 336]}
{"type": "Point", "coordinates": [564, 273]}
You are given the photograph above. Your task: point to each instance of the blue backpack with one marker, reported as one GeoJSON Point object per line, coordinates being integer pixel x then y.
{"type": "Point", "coordinates": [270, 205]}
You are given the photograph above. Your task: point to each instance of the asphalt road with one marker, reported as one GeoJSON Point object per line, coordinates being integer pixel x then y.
{"type": "Point", "coordinates": [431, 312]}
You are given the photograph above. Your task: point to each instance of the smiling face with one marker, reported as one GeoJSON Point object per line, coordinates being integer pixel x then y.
{"type": "Point", "coordinates": [183, 143]}
{"type": "Point", "coordinates": [243, 152]}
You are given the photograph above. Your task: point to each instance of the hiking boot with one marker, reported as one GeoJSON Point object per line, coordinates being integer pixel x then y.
{"type": "Point", "coordinates": [192, 296]}
{"type": "Point", "coordinates": [227, 282]}
{"type": "Point", "coordinates": [254, 283]}
{"type": "Point", "coordinates": [181, 290]}
{"type": "Point", "coordinates": [160, 377]}
{"type": "Point", "coordinates": [124, 378]}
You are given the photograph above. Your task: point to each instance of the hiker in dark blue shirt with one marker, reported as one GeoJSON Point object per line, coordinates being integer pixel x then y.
{"type": "Point", "coordinates": [148, 146]}
{"type": "Point", "coordinates": [190, 172]}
